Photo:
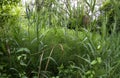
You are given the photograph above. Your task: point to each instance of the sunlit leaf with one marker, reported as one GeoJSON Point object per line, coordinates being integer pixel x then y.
{"type": "Point", "coordinates": [93, 62]}
{"type": "Point", "coordinates": [99, 59]}
{"type": "Point", "coordinates": [22, 63]}
{"type": "Point", "coordinates": [23, 50]}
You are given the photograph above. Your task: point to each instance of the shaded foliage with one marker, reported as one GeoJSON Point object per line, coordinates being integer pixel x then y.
{"type": "Point", "coordinates": [110, 13]}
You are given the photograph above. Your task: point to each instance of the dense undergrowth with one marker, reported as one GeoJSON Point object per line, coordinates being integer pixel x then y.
{"type": "Point", "coordinates": [40, 44]}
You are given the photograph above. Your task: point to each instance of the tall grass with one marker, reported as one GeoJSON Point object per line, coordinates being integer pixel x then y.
{"type": "Point", "coordinates": [49, 49]}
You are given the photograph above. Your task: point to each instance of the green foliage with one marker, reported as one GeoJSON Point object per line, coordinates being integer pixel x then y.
{"type": "Point", "coordinates": [39, 44]}
{"type": "Point", "coordinates": [110, 9]}
{"type": "Point", "coordinates": [7, 10]}
{"type": "Point", "coordinates": [69, 71]}
{"type": "Point", "coordinates": [76, 16]}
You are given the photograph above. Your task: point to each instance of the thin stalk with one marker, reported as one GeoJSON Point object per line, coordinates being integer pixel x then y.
{"type": "Point", "coordinates": [104, 27]}
{"type": "Point", "coordinates": [40, 64]}
{"type": "Point", "coordinates": [49, 59]}
{"type": "Point", "coordinates": [37, 30]}
{"type": "Point", "coordinates": [9, 52]}
{"type": "Point", "coordinates": [39, 5]}
{"type": "Point", "coordinates": [114, 26]}
{"type": "Point", "coordinates": [50, 16]}
{"type": "Point", "coordinates": [29, 31]}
